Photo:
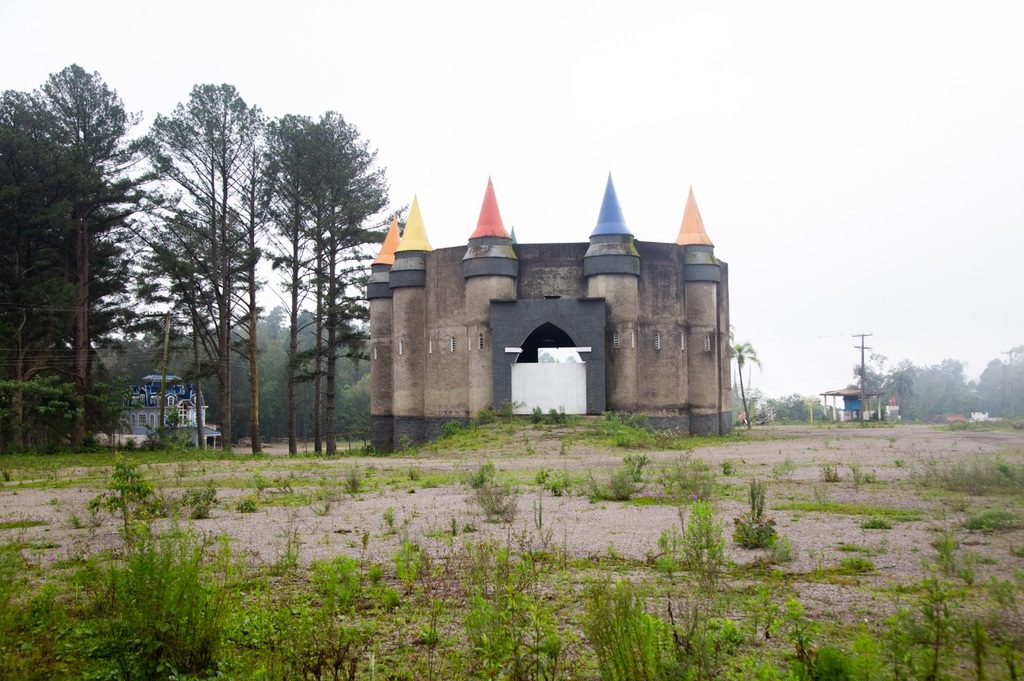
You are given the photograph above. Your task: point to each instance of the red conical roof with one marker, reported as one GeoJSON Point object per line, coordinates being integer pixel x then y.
{"type": "Point", "coordinates": [489, 223]}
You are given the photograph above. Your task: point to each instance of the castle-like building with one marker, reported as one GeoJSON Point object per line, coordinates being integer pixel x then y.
{"type": "Point", "coordinates": [453, 331]}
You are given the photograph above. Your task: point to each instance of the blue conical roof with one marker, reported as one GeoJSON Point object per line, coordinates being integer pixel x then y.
{"type": "Point", "coordinates": [610, 221]}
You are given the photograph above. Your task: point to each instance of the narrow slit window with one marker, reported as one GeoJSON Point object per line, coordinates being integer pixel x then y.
{"type": "Point", "coordinates": [615, 339]}
{"type": "Point", "coordinates": [707, 343]}
{"type": "Point", "coordinates": [375, 352]}
{"type": "Point", "coordinates": [401, 346]}
{"type": "Point", "coordinates": [453, 343]}
{"type": "Point", "coordinates": [481, 341]}
{"type": "Point", "coordinates": [430, 347]}
{"type": "Point", "coordinates": [682, 341]}
{"type": "Point", "coordinates": [657, 341]}
{"type": "Point", "coordinates": [632, 339]}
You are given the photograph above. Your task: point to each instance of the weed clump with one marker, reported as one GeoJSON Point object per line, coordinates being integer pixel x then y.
{"type": "Point", "coordinates": [977, 477]}
{"type": "Point", "coordinates": [689, 479]}
{"type": "Point", "coordinates": [993, 520]}
{"type": "Point", "coordinates": [159, 610]}
{"type": "Point", "coordinates": [199, 501]}
{"type": "Point", "coordinates": [499, 502]}
{"type": "Point", "coordinates": [483, 475]}
{"type": "Point", "coordinates": [755, 530]}
{"type": "Point", "coordinates": [876, 522]}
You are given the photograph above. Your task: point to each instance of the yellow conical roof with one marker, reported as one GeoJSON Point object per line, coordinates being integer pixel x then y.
{"type": "Point", "coordinates": [691, 232]}
{"type": "Point", "coordinates": [415, 236]}
{"type": "Point", "coordinates": [387, 251]}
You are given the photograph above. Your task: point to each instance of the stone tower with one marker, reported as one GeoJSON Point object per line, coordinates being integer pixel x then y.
{"type": "Point", "coordinates": [612, 269]}
{"type": "Point", "coordinates": [378, 292]}
{"type": "Point", "coordinates": [408, 293]}
{"type": "Point", "coordinates": [490, 268]}
{"type": "Point", "coordinates": [707, 339]}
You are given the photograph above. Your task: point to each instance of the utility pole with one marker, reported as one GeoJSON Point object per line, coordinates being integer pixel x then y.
{"type": "Point", "coordinates": [863, 374]}
{"type": "Point", "coordinates": [163, 375]}
{"type": "Point", "coordinates": [1011, 353]}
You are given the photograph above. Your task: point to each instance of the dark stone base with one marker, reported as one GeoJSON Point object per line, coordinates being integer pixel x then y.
{"type": "Point", "coordinates": [705, 424]}
{"type": "Point", "coordinates": [433, 428]}
{"type": "Point", "coordinates": [725, 422]}
{"type": "Point", "coordinates": [382, 430]}
{"type": "Point", "coordinates": [680, 425]}
{"type": "Point", "coordinates": [408, 431]}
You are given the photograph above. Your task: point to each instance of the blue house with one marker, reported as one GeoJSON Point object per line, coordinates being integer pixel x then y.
{"type": "Point", "coordinates": [181, 402]}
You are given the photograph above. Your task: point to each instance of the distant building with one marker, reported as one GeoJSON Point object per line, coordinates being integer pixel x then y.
{"type": "Point", "coordinates": [854, 403]}
{"type": "Point", "coordinates": [456, 330]}
{"type": "Point", "coordinates": [180, 401]}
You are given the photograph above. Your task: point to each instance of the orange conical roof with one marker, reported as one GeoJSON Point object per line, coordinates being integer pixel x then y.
{"type": "Point", "coordinates": [489, 223]}
{"type": "Point", "coordinates": [387, 251]}
{"type": "Point", "coordinates": [415, 236]}
{"type": "Point", "coordinates": [691, 232]}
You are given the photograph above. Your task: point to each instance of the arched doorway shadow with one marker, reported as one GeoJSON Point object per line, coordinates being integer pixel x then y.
{"type": "Point", "coordinates": [548, 373]}
{"type": "Point", "coordinates": [547, 343]}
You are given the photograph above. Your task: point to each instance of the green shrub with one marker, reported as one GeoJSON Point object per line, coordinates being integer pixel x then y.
{"type": "Point", "coordinates": [753, 533]}
{"type": "Point", "coordinates": [629, 643]}
{"type": "Point", "coordinates": [130, 496]}
{"type": "Point", "coordinates": [977, 477]}
{"type": "Point", "coordinates": [556, 417]}
{"type": "Point", "coordinates": [353, 480]}
{"type": "Point", "coordinates": [510, 626]}
{"type": "Point", "coordinates": [248, 503]}
{"type": "Point", "coordinates": [689, 479]}
{"type": "Point", "coordinates": [754, 530]}
{"type": "Point", "coordinates": [499, 503]}
{"type": "Point", "coordinates": [830, 472]}
{"type": "Point", "coordinates": [781, 550]}
{"type": "Point", "coordinates": [994, 520]}
{"type": "Point", "coordinates": [856, 565]}
{"type": "Point", "coordinates": [636, 464]}
{"type": "Point", "coordinates": [537, 415]}
{"type": "Point", "coordinates": [832, 664]}
{"type": "Point", "coordinates": [558, 484]}
{"type": "Point", "coordinates": [783, 469]}
{"type": "Point", "coordinates": [484, 475]}
{"type": "Point", "coordinates": [199, 501]}
{"type": "Point", "coordinates": [704, 546]}
{"type": "Point", "coordinates": [622, 484]}
{"type": "Point", "coordinates": [876, 522]}
{"type": "Point", "coordinates": [159, 611]}
{"type": "Point", "coordinates": [451, 428]}
{"type": "Point", "coordinates": [411, 562]}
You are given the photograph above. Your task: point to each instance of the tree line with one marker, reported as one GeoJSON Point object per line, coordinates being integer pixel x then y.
{"type": "Point", "coordinates": [114, 235]}
{"type": "Point", "coordinates": [922, 392]}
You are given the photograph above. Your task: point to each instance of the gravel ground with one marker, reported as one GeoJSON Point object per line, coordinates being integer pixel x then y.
{"type": "Point", "coordinates": [897, 457]}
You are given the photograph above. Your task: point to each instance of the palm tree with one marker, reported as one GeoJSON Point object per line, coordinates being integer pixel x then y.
{"type": "Point", "coordinates": [743, 353]}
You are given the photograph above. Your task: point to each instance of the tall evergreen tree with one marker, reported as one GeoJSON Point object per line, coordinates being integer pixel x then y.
{"type": "Point", "coordinates": [329, 192]}
{"type": "Point", "coordinates": [102, 193]}
{"type": "Point", "coordinates": [70, 188]}
{"type": "Point", "coordinates": [202, 149]}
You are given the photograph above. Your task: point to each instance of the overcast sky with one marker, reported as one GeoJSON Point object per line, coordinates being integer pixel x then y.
{"type": "Point", "coordinates": [860, 166]}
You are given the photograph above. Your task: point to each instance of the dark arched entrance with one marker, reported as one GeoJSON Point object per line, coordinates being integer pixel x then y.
{"type": "Point", "coordinates": [548, 373]}
{"type": "Point", "coordinates": [547, 336]}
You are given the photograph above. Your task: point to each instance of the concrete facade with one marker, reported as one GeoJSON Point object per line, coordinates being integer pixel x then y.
{"type": "Point", "coordinates": [650, 322]}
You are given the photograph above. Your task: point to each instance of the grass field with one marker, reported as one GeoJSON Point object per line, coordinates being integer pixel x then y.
{"type": "Point", "coordinates": [567, 549]}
